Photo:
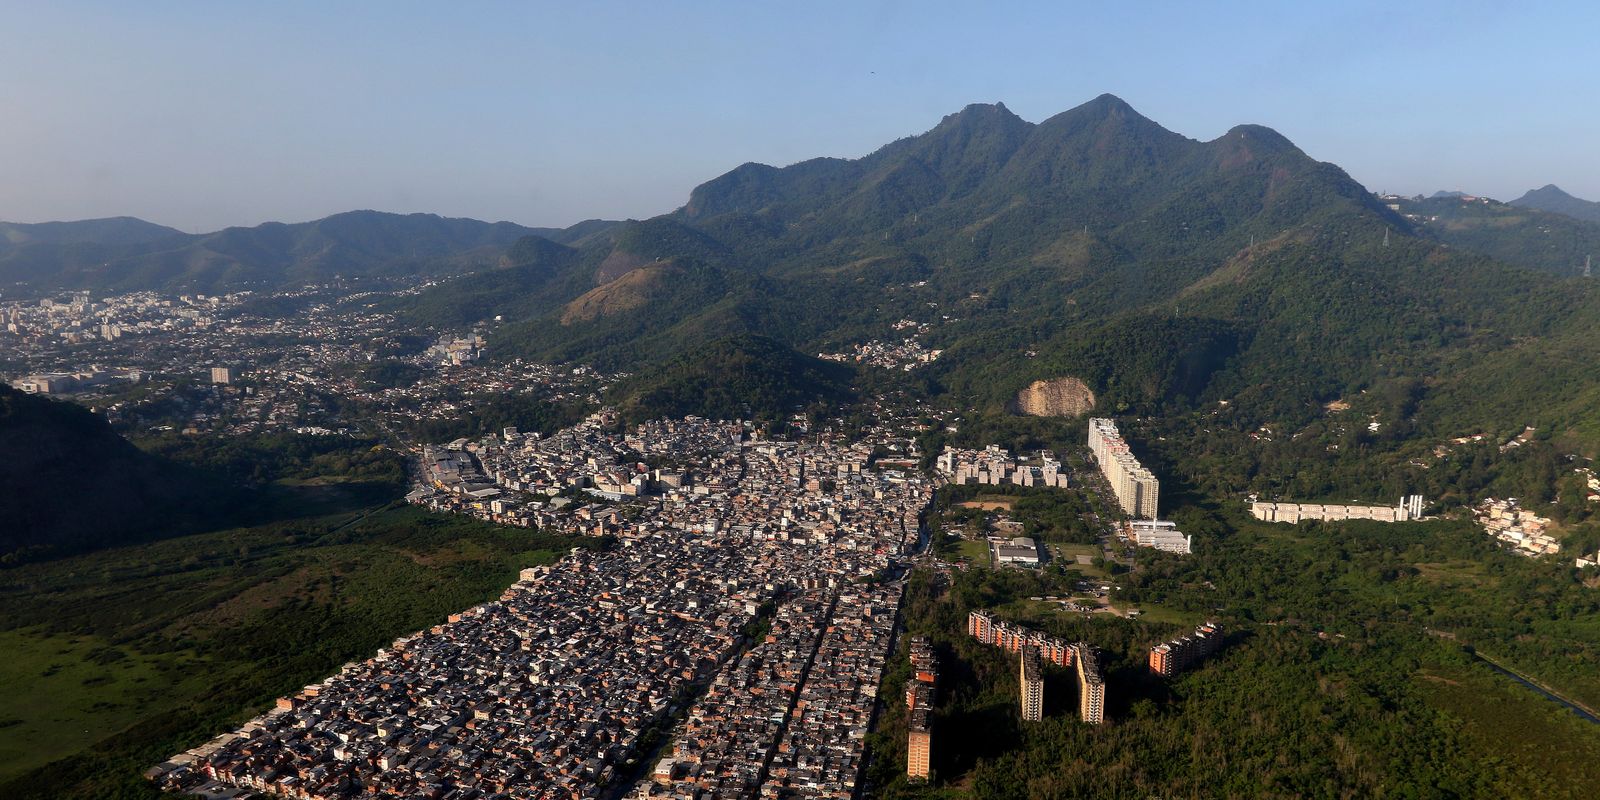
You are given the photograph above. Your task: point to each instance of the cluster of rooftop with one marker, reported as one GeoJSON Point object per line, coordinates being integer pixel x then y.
{"type": "Point", "coordinates": [290, 353]}
{"type": "Point", "coordinates": [547, 692]}
{"type": "Point", "coordinates": [1409, 508]}
{"type": "Point", "coordinates": [1136, 488]}
{"type": "Point", "coordinates": [904, 355]}
{"type": "Point", "coordinates": [994, 466]}
{"type": "Point", "coordinates": [1170, 658]}
{"type": "Point", "coordinates": [80, 319]}
{"type": "Point", "coordinates": [1524, 531]}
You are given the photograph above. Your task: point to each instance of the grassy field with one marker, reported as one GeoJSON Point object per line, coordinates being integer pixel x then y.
{"type": "Point", "coordinates": [64, 692]}
{"type": "Point", "coordinates": [976, 552]}
{"type": "Point", "coordinates": [119, 658]}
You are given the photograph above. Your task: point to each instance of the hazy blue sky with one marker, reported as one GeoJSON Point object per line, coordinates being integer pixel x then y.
{"type": "Point", "coordinates": [206, 114]}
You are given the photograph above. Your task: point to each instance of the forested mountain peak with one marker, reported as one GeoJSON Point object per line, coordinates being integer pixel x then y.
{"type": "Point", "coordinates": [1553, 199]}
{"type": "Point", "coordinates": [1163, 271]}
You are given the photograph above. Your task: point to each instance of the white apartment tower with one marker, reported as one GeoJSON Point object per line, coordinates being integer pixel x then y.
{"type": "Point", "coordinates": [1137, 490]}
{"type": "Point", "coordinates": [1032, 680]}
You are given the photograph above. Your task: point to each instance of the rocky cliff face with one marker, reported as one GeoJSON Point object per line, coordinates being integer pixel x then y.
{"type": "Point", "coordinates": [1058, 397]}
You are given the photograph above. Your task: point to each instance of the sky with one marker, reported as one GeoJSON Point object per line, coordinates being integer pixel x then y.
{"type": "Point", "coordinates": [202, 115]}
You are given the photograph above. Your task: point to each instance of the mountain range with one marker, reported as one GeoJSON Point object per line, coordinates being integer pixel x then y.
{"type": "Point", "coordinates": [1165, 272]}
{"type": "Point", "coordinates": [125, 254]}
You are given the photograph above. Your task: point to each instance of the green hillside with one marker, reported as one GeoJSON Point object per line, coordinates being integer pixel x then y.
{"type": "Point", "coordinates": [739, 377]}
{"type": "Point", "coordinates": [71, 483]}
{"type": "Point", "coordinates": [1514, 233]}
{"type": "Point", "coordinates": [1166, 272]}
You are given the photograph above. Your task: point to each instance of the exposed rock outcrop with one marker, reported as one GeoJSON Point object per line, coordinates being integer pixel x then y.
{"type": "Point", "coordinates": [1058, 397]}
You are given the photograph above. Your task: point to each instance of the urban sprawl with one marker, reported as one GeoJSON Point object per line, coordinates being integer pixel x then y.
{"type": "Point", "coordinates": [725, 636]}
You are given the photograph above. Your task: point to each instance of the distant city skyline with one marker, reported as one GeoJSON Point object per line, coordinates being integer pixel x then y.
{"type": "Point", "coordinates": [203, 116]}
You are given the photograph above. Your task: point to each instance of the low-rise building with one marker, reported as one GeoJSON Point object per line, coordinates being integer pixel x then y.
{"type": "Point", "coordinates": [1020, 550]}
{"type": "Point", "coordinates": [1160, 535]}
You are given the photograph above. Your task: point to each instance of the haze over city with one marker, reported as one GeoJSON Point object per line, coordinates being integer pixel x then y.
{"type": "Point", "coordinates": [201, 116]}
{"type": "Point", "coordinates": [715, 401]}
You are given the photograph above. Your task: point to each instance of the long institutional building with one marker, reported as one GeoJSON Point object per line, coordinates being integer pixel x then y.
{"type": "Point", "coordinates": [1408, 509]}
{"type": "Point", "coordinates": [1136, 488]}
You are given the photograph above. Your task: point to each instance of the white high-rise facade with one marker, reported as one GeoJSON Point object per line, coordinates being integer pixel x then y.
{"type": "Point", "coordinates": [1136, 488]}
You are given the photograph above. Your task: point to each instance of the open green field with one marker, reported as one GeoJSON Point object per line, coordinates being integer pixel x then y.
{"type": "Point", "coordinates": [976, 552]}
{"type": "Point", "coordinates": [64, 692]}
{"type": "Point", "coordinates": [1068, 553]}
{"type": "Point", "coordinates": [119, 658]}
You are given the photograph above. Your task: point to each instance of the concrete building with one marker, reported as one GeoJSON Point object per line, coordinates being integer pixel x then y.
{"type": "Point", "coordinates": [1031, 679]}
{"type": "Point", "coordinates": [1160, 535]}
{"type": "Point", "coordinates": [1021, 550]}
{"type": "Point", "coordinates": [1136, 488]}
{"type": "Point", "coordinates": [1012, 638]}
{"type": "Point", "coordinates": [1170, 658]}
{"type": "Point", "coordinates": [50, 383]}
{"type": "Point", "coordinates": [222, 375]}
{"type": "Point", "coordinates": [1409, 508]}
{"type": "Point", "coordinates": [919, 702]}
{"type": "Point", "coordinates": [919, 741]}
{"type": "Point", "coordinates": [1091, 685]}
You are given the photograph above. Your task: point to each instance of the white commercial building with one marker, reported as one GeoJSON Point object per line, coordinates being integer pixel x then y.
{"type": "Point", "coordinates": [1160, 535]}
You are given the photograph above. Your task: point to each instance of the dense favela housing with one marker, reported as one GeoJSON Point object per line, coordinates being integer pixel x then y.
{"type": "Point", "coordinates": [1136, 488]}
{"type": "Point", "coordinates": [1170, 658]}
{"type": "Point", "coordinates": [547, 691]}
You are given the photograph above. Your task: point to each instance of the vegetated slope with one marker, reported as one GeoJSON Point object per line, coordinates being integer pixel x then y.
{"type": "Point", "coordinates": [1166, 272]}
{"type": "Point", "coordinates": [1516, 234]}
{"type": "Point", "coordinates": [738, 377]}
{"type": "Point", "coordinates": [265, 256]}
{"type": "Point", "coordinates": [1550, 198]}
{"type": "Point", "coordinates": [109, 231]}
{"type": "Point", "coordinates": [71, 483]}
